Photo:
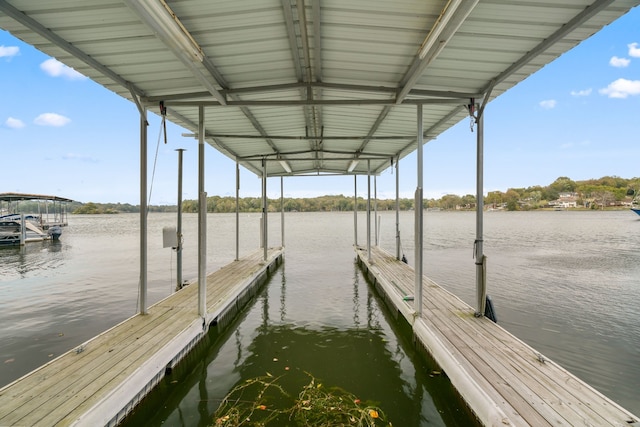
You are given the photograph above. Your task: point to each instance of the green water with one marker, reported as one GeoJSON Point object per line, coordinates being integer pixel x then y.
{"type": "Point", "coordinates": [322, 321]}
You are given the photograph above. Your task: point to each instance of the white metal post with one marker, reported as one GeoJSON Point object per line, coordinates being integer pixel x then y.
{"type": "Point", "coordinates": [355, 210]}
{"type": "Point", "coordinates": [237, 210]}
{"type": "Point", "coordinates": [481, 286]}
{"type": "Point", "coordinates": [23, 230]}
{"type": "Point", "coordinates": [397, 209]}
{"type": "Point", "coordinates": [375, 208]}
{"type": "Point", "coordinates": [179, 228]}
{"type": "Point", "coordinates": [202, 220]}
{"type": "Point", "coordinates": [265, 233]}
{"type": "Point", "coordinates": [369, 210]}
{"type": "Point", "coordinates": [282, 210]}
{"type": "Point", "coordinates": [142, 292]}
{"type": "Point", "coordinates": [418, 220]}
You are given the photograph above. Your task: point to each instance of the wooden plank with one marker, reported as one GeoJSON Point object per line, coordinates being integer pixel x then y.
{"type": "Point", "coordinates": [509, 371]}
{"type": "Point", "coordinates": [589, 414]}
{"type": "Point", "coordinates": [73, 371]}
{"type": "Point", "coordinates": [65, 388]}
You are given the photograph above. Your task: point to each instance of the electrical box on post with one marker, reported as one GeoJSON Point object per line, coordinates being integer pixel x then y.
{"type": "Point", "coordinates": [169, 237]}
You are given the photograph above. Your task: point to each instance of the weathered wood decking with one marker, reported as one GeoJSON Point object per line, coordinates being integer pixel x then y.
{"type": "Point", "coordinates": [99, 382]}
{"type": "Point", "coordinates": [503, 380]}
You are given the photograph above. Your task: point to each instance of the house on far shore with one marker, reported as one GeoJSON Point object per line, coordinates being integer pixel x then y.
{"type": "Point", "coordinates": [565, 200]}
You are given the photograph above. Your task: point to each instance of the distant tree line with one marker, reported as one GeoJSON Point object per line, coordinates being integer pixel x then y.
{"type": "Point", "coordinates": [316, 204]}
{"type": "Point", "coordinates": [593, 193]}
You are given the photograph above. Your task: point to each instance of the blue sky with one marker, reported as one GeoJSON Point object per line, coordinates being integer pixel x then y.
{"type": "Point", "coordinates": [579, 117]}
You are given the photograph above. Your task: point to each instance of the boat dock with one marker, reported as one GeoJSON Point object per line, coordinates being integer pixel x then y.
{"type": "Point", "coordinates": [503, 380]}
{"type": "Point", "coordinates": [101, 381]}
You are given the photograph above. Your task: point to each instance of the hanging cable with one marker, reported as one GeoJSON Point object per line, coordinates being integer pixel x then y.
{"type": "Point", "coordinates": [163, 130]}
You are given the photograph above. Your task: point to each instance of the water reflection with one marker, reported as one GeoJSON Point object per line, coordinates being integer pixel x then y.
{"type": "Point", "coordinates": [376, 363]}
{"type": "Point", "coordinates": [17, 262]}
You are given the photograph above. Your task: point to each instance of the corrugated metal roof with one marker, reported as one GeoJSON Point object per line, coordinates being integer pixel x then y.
{"type": "Point", "coordinates": [317, 83]}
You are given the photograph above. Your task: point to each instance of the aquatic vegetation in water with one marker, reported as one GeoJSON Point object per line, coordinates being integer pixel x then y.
{"type": "Point", "coordinates": [263, 401]}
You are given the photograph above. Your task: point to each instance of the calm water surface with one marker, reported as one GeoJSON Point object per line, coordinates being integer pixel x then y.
{"type": "Point", "coordinates": [564, 282]}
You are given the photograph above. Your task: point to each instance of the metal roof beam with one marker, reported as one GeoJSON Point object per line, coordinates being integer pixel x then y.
{"type": "Point", "coordinates": [166, 26]}
{"type": "Point", "coordinates": [317, 40]}
{"type": "Point", "coordinates": [312, 138]}
{"type": "Point", "coordinates": [317, 63]}
{"type": "Point", "coordinates": [305, 102]}
{"type": "Point", "coordinates": [451, 18]}
{"type": "Point", "coordinates": [588, 12]}
{"type": "Point", "coordinates": [321, 85]}
{"type": "Point", "coordinates": [340, 157]}
{"type": "Point", "coordinates": [302, 67]}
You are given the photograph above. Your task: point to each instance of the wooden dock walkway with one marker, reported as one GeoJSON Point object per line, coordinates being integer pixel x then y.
{"type": "Point", "coordinates": [502, 379]}
{"type": "Point", "coordinates": [99, 382]}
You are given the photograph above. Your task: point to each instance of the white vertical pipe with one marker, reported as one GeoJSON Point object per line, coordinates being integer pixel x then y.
{"type": "Point", "coordinates": [481, 286]}
{"type": "Point", "coordinates": [355, 210]}
{"type": "Point", "coordinates": [179, 229]}
{"type": "Point", "coordinates": [142, 291]}
{"type": "Point", "coordinates": [23, 230]}
{"type": "Point", "coordinates": [237, 210]}
{"type": "Point", "coordinates": [397, 209]}
{"type": "Point", "coordinates": [202, 220]}
{"type": "Point", "coordinates": [418, 220]}
{"type": "Point", "coordinates": [369, 210]}
{"type": "Point", "coordinates": [375, 208]}
{"type": "Point", "coordinates": [265, 233]}
{"type": "Point", "coordinates": [282, 210]}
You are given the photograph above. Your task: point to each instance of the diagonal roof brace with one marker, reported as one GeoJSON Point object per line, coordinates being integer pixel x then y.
{"type": "Point", "coordinates": [164, 23]}
{"type": "Point", "coordinates": [451, 18]}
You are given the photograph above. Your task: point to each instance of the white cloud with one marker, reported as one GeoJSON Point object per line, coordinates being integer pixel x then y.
{"type": "Point", "coordinates": [548, 104]}
{"type": "Point", "coordinates": [619, 62]}
{"type": "Point", "coordinates": [51, 119]}
{"type": "Point", "coordinates": [14, 123]}
{"type": "Point", "coordinates": [634, 50]}
{"type": "Point", "coordinates": [9, 51]}
{"type": "Point", "coordinates": [583, 92]}
{"type": "Point", "coordinates": [55, 68]}
{"type": "Point", "coordinates": [621, 88]}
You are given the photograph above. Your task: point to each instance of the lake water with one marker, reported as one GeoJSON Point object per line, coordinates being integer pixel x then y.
{"type": "Point", "coordinates": [564, 282]}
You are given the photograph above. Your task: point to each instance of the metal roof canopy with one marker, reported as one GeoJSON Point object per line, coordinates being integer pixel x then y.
{"type": "Point", "coordinates": [13, 197]}
{"type": "Point", "coordinates": [309, 85]}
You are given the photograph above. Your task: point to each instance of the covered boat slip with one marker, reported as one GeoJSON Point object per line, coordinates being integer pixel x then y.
{"type": "Point", "coordinates": [99, 382]}
{"type": "Point", "coordinates": [334, 87]}
{"type": "Point", "coordinates": [46, 217]}
{"type": "Point", "coordinates": [505, 381]}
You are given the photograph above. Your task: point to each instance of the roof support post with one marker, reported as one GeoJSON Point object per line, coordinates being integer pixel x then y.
{"type": "Point", "coordinates": [375, 209]}
{"type": "Point", "coordinates": [355, 210]}
{"type": "Point", "coordinates": [369, 210]}
{"type": "Point", "coordinates": [179, 228]}
{"type": "Point", "coordinates": [202, 220]}
{"type": "Point", "coordinates": [397, 208]}
{"type": "Point", "coordinates": [481, 286]}
{"type": "Point", "coordinates": [282, 211]}
{"type": "Point", "coordinates": [142, 292]}
{"type": "Point", "coordinates": [265, 233]}
{"type": "Point", "coordinates": [418, 220]}
{"type": "Point", "coordinates": [23, 230]}
{"type": "Point", "coordinates": [237, 210]}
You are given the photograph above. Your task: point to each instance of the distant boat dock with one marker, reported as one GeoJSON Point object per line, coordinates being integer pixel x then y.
{"type": "Point", "coordinates": [39, 223]}
{"type": "Point", "coordinates": [51, 209]}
